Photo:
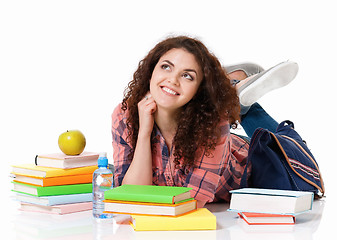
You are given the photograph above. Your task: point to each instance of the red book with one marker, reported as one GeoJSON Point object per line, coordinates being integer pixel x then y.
{"type": "Point", "coordinates": [267, 219]}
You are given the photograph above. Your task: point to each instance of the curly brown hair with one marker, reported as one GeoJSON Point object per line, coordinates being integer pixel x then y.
{"type": "Point", "coordinates": [198, 122]}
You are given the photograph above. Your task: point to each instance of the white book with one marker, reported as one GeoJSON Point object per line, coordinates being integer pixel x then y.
{"type": "Point", "coordinates": [150, 208]}
{"type": "Point", "coordinates": [61, 160]}
{"type": "Point", "coordinates": [270, 201]}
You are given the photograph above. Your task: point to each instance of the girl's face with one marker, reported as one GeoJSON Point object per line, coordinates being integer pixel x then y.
{"type": "Point", "coordinates": [175, 79]}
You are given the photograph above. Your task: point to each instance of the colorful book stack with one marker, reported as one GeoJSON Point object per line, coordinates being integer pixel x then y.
{"type": "Point", "coordinates": [159, 208]}
{"type": "Point", "coordinates": [67, 188]}
{"type": "Point", "coordinates": [270, 206]}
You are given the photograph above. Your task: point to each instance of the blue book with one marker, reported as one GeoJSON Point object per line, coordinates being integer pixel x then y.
{"type": "Point", "coordinates": [55, 200]}
{"type": "Point", "coordinates": [270, 201]}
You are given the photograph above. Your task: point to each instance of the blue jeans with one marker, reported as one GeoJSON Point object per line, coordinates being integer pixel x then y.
{"type": "Point", "coordinates": [254, 117]}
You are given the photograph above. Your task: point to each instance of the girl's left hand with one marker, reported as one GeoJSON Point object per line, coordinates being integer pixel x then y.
{"type": "Point", "coordinates": [146, 108]}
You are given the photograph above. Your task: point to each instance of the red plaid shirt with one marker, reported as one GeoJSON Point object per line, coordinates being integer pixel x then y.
{"type": "Point", "coordinates": [211, 178]}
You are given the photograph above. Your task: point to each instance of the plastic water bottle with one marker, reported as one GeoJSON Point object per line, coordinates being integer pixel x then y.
{"type": "Point", "coordinates": [102, 181]}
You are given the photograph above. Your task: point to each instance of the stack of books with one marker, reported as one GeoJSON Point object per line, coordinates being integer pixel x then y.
{"type": "Point", "coordinates": [56, 183]}
{"type": "Point", "coordinates": [270, 206]}
{"type": "Point", "coordinates": [158, 208]}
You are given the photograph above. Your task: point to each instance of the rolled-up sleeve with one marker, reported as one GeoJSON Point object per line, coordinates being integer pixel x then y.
{"type": "Point", "coordinates": [121, 148]}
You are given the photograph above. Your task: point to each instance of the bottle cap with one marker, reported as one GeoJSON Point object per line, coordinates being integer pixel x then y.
{"type": "Point", "coordinates": [102, 160]}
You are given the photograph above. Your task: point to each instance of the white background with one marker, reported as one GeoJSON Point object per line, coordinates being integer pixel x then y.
{"type": "Point", "coordinates": [64, 65]}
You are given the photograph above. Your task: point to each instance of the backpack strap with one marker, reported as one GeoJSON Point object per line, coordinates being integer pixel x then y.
{"type": "Point", "coordinates": [284, 124]}
{"type": "Point", "coordinates": [321, 189]}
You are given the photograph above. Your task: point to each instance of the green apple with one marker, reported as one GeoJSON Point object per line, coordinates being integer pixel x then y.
{"type": "Point", "coordinates": [72, 142]}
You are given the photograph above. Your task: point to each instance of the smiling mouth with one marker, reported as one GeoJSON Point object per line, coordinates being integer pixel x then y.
{"type": "Point", "coordinates": [169, 91]}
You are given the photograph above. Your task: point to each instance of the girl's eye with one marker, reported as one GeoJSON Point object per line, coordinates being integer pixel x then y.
{"type": "Point", "coordinates": [165, 67]}
{"type": "Point", "coordinates": [187, 76]}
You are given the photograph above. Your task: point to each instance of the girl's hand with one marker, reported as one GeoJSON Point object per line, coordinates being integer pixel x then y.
{"type": "Point", "coordinates": [146, 108]}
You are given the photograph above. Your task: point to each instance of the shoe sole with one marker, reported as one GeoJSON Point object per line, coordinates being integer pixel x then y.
{"type": "Point", "coordinates": [275, 77]}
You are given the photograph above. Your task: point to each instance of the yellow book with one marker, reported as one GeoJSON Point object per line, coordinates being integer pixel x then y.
{"type": "Point", "coordinates": [201, 219]}
{"type": "Point", "coordinates": [38, 171]}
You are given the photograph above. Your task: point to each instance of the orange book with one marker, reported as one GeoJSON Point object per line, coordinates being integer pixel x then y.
{"type": "Point", "coordinates": [54, 181]}
{"type": "Point", "coordinates": [143, 208]}
{"type": "Point", "coordinates": [266, 219]}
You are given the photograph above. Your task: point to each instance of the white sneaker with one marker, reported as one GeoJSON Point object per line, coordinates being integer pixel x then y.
{"type": "Point", "coordinates": [259, 84]}
{"type": "Point", "coordinates": [247, 67]}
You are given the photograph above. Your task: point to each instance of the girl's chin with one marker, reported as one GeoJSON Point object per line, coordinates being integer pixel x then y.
{"type": "Point", "coordinates": [168, 107]}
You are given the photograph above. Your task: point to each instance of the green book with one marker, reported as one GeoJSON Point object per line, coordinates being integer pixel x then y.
{"type": "Point", "coordinates": [52, 190]}
{"type": "Point", "coordinates": [148, 193]}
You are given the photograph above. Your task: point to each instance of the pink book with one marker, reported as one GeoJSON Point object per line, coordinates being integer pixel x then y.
{"type": "Point", "coordinates": [57, 209]}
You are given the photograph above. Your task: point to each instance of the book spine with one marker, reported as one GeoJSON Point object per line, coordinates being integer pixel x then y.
{"type": "Point", "coordinates": [71, 198]}
{"type": "Point", "coordinates": [138, 198]}
{"type": "Point", "coordinates": [72, 171]}
{"type": "Point", "coordinates": [166, 223]}
{"type": "Point", "coordinates": [67, 180]}
{"type": "Point", "coordinates": [75, 207]}
{"type": "Point", "coordinates": [64, 189]}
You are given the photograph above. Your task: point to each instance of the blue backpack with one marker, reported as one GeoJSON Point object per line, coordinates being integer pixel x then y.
{"type": "Point", "coordinates": [282, 160]}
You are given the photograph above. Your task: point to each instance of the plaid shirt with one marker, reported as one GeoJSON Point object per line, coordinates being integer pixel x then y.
{"type": "Point", "coordinates": [211, 178]}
